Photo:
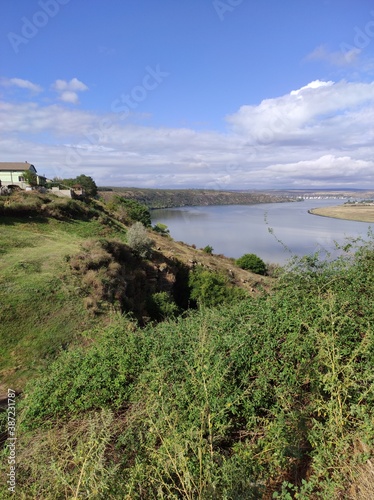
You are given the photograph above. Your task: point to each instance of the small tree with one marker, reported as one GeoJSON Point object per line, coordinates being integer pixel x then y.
{"type": "Point", "coordinates": [208, 249]}
{"type": "Point", "coordinates": [87, 183]}
{"type": "Point", "coordinates": [30, 178]}
{"type": "Point", "coordinates": [251, 262]}
{"type": "Point", "coordinates": [130, 210]}
{"type": "Point", "coordinates": [138, 240]}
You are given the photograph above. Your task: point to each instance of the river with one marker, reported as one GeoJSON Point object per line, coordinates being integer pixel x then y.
{"type": "Point", "coordinates": [273, 231]}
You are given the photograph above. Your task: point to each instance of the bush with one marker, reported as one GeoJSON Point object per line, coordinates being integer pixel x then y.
{"type": "Point", "coordinates": [82, 380]}
{"type": "Point", "coordinates": [87, 183]}
{"type": "Point", "coordinates": [208, 249]}
{"type": "Point", "coordinates": [211, 289]}
{"type": "Point", "coordinates": [129, 211]}
{"type": "Point", "coordinates": [161, 228]}
{"type": "Point", "coordinates": [251, 262]}
{"type": "Point", "coordinates": [161, 306]}
{"type": "Point", "coordinates": [138, 240]}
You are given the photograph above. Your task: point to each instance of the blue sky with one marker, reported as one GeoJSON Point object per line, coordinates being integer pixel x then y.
{"type": "Point", "coordinates": [220, 94]}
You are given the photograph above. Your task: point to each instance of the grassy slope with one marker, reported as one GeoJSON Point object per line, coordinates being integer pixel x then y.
{"type": "Point", "coordinates": [42, 312]}
{"type": "Point", "coordinates": [42, 306]}
{"type": "Point", "coordinates": [234, 399]}
{"type": "Point", "coordinates": [225, 403]}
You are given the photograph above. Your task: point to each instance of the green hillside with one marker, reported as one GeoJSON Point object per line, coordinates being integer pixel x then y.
{"type": "Point", "coordinates": [167, 198]}
{"type": "Point", "coordinates": [154, 377]}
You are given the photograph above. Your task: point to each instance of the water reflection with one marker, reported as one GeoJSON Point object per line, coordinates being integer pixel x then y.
{"type": "Point", "coordinates": [273, 231]}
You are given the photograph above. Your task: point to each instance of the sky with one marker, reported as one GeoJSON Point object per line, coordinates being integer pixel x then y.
{"type": "Point", "coordinates": [213, 94]}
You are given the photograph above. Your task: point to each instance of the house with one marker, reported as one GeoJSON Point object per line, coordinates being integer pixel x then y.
{"type": "Point", "coordinates": [12, 175]}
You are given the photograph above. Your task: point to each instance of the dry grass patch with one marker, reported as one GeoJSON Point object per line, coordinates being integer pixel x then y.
{"type": "Point", "coordinates": [359, 213]}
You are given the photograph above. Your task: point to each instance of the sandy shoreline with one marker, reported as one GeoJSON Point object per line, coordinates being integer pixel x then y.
{"type": "Point", "coordinates": [358, 213]}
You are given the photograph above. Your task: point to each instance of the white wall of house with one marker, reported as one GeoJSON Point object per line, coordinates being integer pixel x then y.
{"type": "Point", "coordinates": [13, 178]}
{"type": "Point", "coordinates": [16, 178]}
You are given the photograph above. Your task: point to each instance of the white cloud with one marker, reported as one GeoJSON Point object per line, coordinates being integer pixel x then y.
{"type": "Point", "coordinates": [69, 96]}
{"type": "Point", "coordinates": [68, 91]}
{"type": "Point", "coordinates": [334, 58]}
{"type": "Point", "coordinates": [20, 83]}
{"type": "Point", "coordinates": [302, 113]}
{"type": "Point", "coordinates": [318, 135]}
{"type": "Point", "coordinates": [325, 168]}
{"type": "Point", "coordinates": [316, 84]}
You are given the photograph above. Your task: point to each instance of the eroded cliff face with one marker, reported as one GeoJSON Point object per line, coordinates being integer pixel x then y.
{"type": "Point", "coordinates": [110, 275]}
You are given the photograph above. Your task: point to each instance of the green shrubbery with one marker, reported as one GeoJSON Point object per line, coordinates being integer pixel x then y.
{"type": "Point", "coordinates": [139, 241]}
{"type": "Point", "coordinates": [161, 228]}
{"type": "Point", "coordinates": [161, 306]}
{"type": "Point", "coordinates": [261, 396]}
{"type": "Point", "coordinates": [210, 289]}
{"type": "Point", "coordinates": [129, 211]}
{"type": "Point", "coordinates": [85, 181]}
{"type": "Point", "coordinates": [251, 262]}
{"type": "Point", "coordinates": [208, 249]}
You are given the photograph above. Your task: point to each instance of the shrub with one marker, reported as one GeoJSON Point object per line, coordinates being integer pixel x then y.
{"type": "Point", "coordinates": [129, 211]}
{"type": "Point", "coordinates": [161, 306]}
{"type": "Point", "coordinates": [138, 240]}
{"type": "Point", "coordinates": [161, 228]}
{"type": "Point", "coordinates": [208, 249]}
{"type": "Point", "coordinates": [210, 289]}
{"type": "Point", "coordinates": [88, 184]}
{"type": "Point", "coordinates": [82, 380]}
{"type": "Point", "coordinates": [251, 262]}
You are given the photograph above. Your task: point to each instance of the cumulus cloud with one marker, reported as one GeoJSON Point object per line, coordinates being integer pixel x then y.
{"type": "Point", "coordinates": [334, 58]}
{"type": "Point", "coordinates": [68, 91]}
{"type": "Point", "coordinates": [22, 84]}
{"type": "Point", "coordinates": [302, 113]}
{"type": "Point", "coordinates": [318, 135]}
{"type": "Point", "coordinates": [325, 168]}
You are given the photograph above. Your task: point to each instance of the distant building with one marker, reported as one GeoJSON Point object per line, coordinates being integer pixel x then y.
{"type": "Point", "coordinates": [12, 175]}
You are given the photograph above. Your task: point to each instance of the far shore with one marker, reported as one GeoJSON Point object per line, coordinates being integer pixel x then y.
{"type": "Point", "coordinates": [358, 213]}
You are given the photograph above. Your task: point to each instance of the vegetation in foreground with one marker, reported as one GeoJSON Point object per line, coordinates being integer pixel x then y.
{"type": "Point", "coordinates": [269, 396]}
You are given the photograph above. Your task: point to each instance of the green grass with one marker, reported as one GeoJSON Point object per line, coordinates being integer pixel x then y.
{"type": "Point", "coordinates": [265, 395]}
{"type": "Point", "coordinates": [41, 309]}
{"type": "Point", "coordinates": [268, 395]}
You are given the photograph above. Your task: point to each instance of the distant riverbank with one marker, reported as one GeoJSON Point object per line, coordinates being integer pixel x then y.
{"type": "Point", "coordinates": [173, 198]}
{"type": "Point", "coordinates": [355, 212]}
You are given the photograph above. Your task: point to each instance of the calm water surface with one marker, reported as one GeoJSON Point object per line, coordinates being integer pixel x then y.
{"type": "Point", "coordinates": [234, 230]}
